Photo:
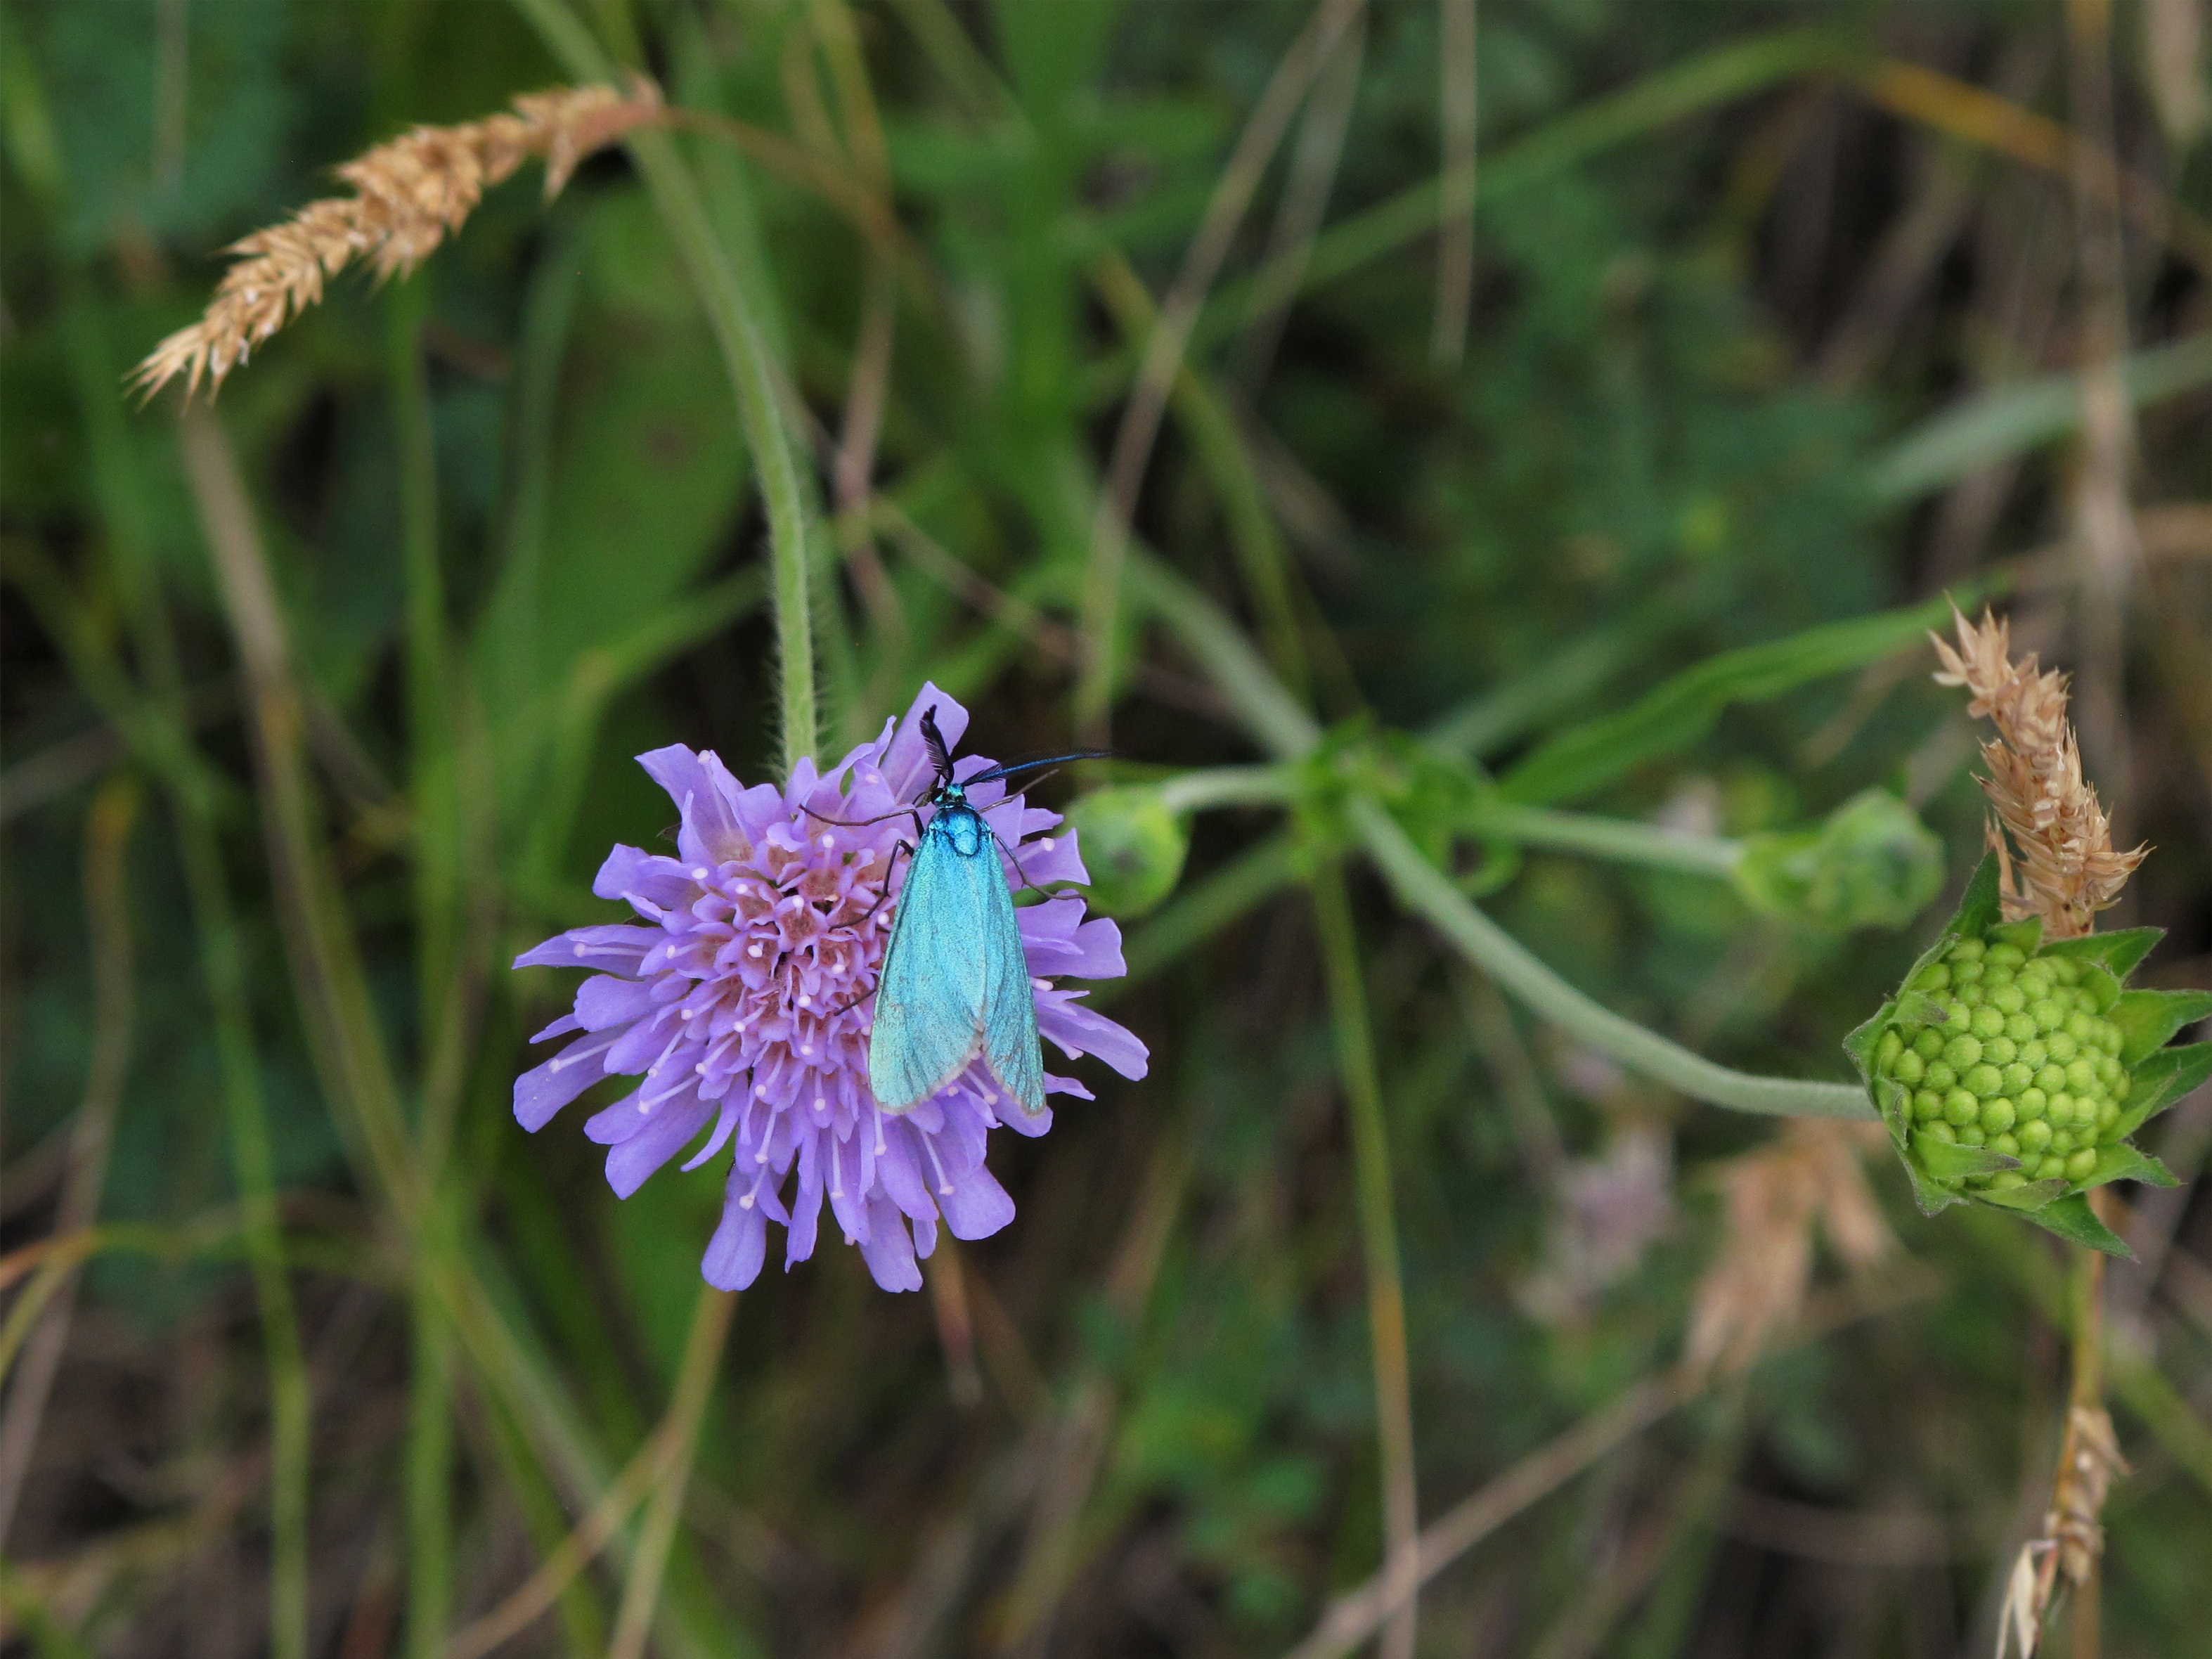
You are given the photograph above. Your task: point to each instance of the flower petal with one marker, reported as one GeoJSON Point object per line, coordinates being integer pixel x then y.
{"type": "Point", "coordinates": [673, 1123]}
{"type": "Point", "coordinates": [739, 1245]}
{"type": "Point", "coordinates": [1075, 1031]}
{"type": "Point", "coordinates": [545, 1089]}
{"type": "Point", "coordinates": [977, 1206]}
{"type": "Point", "coordinates": [888, 1250]}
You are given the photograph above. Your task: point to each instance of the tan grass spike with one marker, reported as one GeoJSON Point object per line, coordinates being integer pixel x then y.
{"type": "Point", "coordinates": [408, 195]}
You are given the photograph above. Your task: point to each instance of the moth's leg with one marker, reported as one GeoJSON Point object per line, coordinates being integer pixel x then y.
{"type": "Point", "coordinates": [853, 1003]}
{"type": "Point", "coordinates": [885, 898]}
{"type": "Point", "coordinates": [1016, 862]}
{"type": "Point", "coordinates": [856, 823]}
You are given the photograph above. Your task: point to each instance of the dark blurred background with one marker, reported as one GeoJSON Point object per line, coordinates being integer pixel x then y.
{"type": "Point", "coordinates": [1776, 315]}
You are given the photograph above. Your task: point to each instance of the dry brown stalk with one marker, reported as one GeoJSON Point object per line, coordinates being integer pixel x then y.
{"type": "Point", "coordinates": [1774, 1196]}
{"type": "Point", "coordinates": [2072, 1540]}
{"type": "Point", "coordinates": [2059, 862]}
{"type": "Point", "coordinates": [408, 195]}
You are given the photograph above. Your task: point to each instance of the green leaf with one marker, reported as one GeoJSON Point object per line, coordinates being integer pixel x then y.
{"type": "Point", "coordinates": [2016, 419]}
{"type": "Point", "coordinates": [2148, 1019]}
{"type": "Point", "coordinates": [2160, 1081]}
{"type": "Point", "coordinates": [2119, 952]}
{"type": "Point", "coordinates": [1585, 758]}
{"type": "Point", "coordinates": [2071, 1216]}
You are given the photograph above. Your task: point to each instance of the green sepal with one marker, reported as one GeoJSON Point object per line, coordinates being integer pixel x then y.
{"type": "Point", "coordinates": [1931, 1195]}
{"type": "Point", "coordinates": [1917, 1008]}
{"type": "Point", "coordinates": [2160, 1081]}
{"type": "Point", "coordinates": [2033, 1196]}
{"type": "Point", "coordinates": [2027, 934]}
{"type": "Point", "coordinates": [2117, 953]}
{"type": "Point", "coordinates": [2121, 1162]}
{"type": "Point", "coordinates": [2148, 1019]}
{"type": "Point", "coordinates": [1948, 1161]}
{"type": "Point", "coordinates": [2070, 1217]}
{"type": "Point", "coordinates": [1979, 907]}
{"type": "Point", "coordinates": [2098, 978]}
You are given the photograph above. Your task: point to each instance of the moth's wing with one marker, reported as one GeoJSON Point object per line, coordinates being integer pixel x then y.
{"type": "Point", "coordinates": [1010, 1027]}
{"type": "Point", "coordinates": [930, 998]}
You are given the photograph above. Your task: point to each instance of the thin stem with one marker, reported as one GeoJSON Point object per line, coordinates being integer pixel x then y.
{"type": "Point", "coordinates": [1424, 889]}
{"type": "Point", "coordinates": [1378, 1237]}
{"type": "Point", "coordinates": [1164, 351]}
{"type": "Point", "coordinates": [1455, 194]}
{"type": "Point", "coordinates": [745, 358]}
{"type": "Point", "coordinates": [437, 879]}
{"type": "Point", "coordinates": [2086, 1395]}
{"type": "Point", "coordinates": [107, 908]}
{"type": "Point", "coordinates": [186, 775]}
{"type": "Point", "coordinates": [1622, 840]}
{"type": "Point", "coordinates": [694, 1380]}
{"type": "Point", "coordinates": [1228, 785]}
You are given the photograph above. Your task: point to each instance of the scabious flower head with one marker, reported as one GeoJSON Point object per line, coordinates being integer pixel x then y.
{"type": "Point", "coordinates": [741, 999]}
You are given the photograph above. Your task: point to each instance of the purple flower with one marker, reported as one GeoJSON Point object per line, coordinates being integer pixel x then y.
{"type": "Point", "coordinates": [742, 1003]}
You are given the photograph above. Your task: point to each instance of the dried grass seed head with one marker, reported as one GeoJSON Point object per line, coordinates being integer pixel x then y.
{"type": "Point", "coordinates": [2061, 865]}
{"type": "Point", "coordinates": [408, 195]}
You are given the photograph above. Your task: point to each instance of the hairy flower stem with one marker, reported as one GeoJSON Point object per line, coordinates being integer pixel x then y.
{"type": "Point", "coordinates": [744, 357]}
{"type": "Point", "coordinates": [1421, 887]}
{"type": "Point", "coordinates": [1378, 1237]}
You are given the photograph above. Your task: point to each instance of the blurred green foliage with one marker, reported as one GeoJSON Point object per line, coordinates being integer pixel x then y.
{"type": "Point", "coordinates": [1644, 554]}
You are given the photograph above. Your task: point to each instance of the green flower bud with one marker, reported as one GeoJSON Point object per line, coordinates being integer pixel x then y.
{"type": "Point", "coordinates": [1132, 844]}
{"type": "Point", "coordinates": [2029, 1050]}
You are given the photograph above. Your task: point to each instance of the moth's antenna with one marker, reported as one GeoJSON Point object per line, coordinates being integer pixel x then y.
{"type": "Point", "coordinates": [1015, 767]}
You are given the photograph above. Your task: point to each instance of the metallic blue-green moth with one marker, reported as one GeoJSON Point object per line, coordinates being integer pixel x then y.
{"type": "Point", "coordinates": [955, 986]}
